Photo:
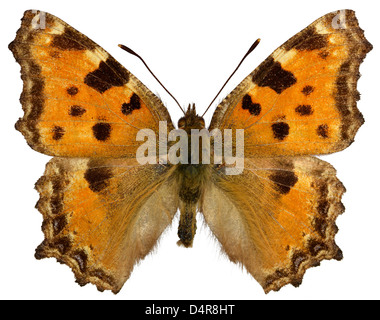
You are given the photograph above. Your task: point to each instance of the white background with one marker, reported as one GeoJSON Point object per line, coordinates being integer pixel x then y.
{"type": "Point", "coordinates": [192, 46]}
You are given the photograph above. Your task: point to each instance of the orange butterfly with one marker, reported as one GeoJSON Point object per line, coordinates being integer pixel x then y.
{"type": "Point", "coordinates": [103, 211]}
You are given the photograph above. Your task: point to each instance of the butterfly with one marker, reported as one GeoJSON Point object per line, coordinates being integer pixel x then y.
{"type": "Point", "coordinates": [103, 210]}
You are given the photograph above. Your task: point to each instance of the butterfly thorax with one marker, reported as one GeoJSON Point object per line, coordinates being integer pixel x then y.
{"type": "Point", "coordinates": [191, 120]}
{"type": "Point", "coordinates": [191, 178]}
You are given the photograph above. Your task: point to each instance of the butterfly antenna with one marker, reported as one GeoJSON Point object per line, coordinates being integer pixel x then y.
{"type": "Point", "coordinates": [129, 50]}
{"type": "Point", "coordinates": [253, 46]}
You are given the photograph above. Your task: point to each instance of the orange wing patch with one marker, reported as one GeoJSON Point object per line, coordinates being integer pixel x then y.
{"type": "Point", "coordinates": [302, 99]}
{"type": "Point", "coordinates": [78, 100]}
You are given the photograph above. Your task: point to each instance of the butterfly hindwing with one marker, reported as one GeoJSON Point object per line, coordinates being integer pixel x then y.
{"type": "Point", "coordinates": [103, 216]}
{"type": "Point", "coordinates": [78, 100]}
{"type": "Point", "coordinates": [277, 218]}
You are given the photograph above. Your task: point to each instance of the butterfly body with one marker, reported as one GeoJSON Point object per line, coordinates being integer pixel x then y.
{"type": "Point", "coordinates": [191, 179]}
{"type": "Point", "coordinates": [104, 210]}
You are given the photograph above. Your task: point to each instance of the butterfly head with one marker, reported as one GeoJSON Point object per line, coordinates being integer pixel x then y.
{"type": "Point", "coordinates": [191, 120]}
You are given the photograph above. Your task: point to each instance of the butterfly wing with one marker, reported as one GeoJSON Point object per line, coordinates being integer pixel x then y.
{"type": "Point", "coordinates": [302, 98]}
{"type": "Point", "coordinates": [102, 210]}
{"type": "Point", "coordinates": [101, 216]}
{"type": "Point", "coordinates": [278, 217]}
{"type": "Point", "coordinates": [78, 100]}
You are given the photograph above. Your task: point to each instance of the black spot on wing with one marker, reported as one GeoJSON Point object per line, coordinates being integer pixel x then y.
{"type": "Point", "coordinates": [280, 130]}
{"type": "Point", "coordinates": [102, 131]}
{"type": "Point", "coordinates": [324, 54]}
{"type": "Point", "coordinates": [71, 39]}
{"type": "Point", "coordinates": [323, 130]}
{"type": "Point", "coordinates": [308, 39]}
{"type": "Point", "coordinates": [304, 110]}
{"type": "Point", "coordinates": [109, 74]}
{"type": "Point", "coordinates": [283, 180]}
{"type": "Point", "coordinates": [72, 91]}
{"type": "Point", "coordinates": [272, 75]}
{"type": "Point", "coordinates": [134, 104]}
{"type": "Point", "coordinates": [58, 132]}
{"type": "Point", "coordinates": [76, 111]}
{"type": "Point", "coordinates": [253, 108]}
{"type": "Point", "coordinates": [98, 178]}
{"type": "Point", "coordinates": [306, 90]}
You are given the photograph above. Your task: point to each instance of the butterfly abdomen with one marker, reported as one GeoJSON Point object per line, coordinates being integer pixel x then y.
{"type": "Point", "coordinates": [191, 179]}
